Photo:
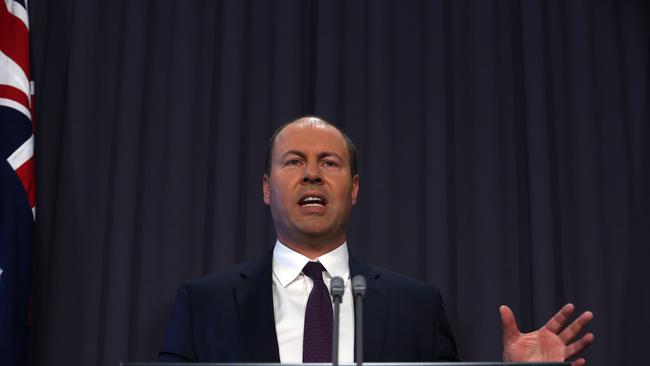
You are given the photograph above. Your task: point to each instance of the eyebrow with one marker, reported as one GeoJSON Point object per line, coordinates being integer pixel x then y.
{"type": "Point", "coordinates": [321, 155]}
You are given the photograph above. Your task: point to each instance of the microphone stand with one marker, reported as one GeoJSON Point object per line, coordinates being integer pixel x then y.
{"type": "Point", "coordinates": [337, 287]}
{"type": "Point", "coordinates": [359, 292]}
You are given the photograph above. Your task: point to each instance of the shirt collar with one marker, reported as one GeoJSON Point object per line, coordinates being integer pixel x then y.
{"type": "Point", "coordinates": [288, 264]}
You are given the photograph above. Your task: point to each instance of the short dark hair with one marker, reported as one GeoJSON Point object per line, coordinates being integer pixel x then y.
{"type": "Point", "coordinates": [351, 148]}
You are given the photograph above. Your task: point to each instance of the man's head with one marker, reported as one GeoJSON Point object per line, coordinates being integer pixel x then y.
{"type": "Point", "coordinates": [352, 149]}
{"type": "Point", "coordinates": [310, 184]}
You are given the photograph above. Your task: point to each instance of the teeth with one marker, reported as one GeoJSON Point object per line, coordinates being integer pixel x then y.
{"type": "Point", "coordinates": [312, 201]}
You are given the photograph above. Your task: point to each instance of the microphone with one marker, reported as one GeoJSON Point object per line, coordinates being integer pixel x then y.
{"type": "Point", "coordinates": [359, 292]}
{"type": "Point", "coordinates": [337, 288]}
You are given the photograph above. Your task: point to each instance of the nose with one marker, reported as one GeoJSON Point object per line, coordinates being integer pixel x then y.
{"type": "Point", "coordinates": [311, 174]}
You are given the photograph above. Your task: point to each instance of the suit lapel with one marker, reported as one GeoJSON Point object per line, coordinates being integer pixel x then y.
{"type": "Point", "coordinates": [375, 311]}
{"type": "Point", "coordinates": [258, 341]}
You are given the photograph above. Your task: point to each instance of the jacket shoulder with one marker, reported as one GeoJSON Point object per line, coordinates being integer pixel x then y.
{"type": "Point", "coordinates": [395, 280]}
{"type": "Point", "coordinates": [228, 278]}
{"type": "Point", "coordinates": [229, 275]}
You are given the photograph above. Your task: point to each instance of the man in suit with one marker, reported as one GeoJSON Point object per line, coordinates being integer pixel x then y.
{"type": "Point", "coordinates": [277, 308]}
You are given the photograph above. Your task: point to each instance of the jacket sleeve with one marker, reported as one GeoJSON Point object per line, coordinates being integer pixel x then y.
{"type": "Point", "coordinates": [445, 343]}
{"type": "Point", "coordinates": [178, 342]}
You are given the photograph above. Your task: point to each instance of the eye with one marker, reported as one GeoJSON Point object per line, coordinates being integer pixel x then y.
{"type": "Point", "coordinates": [292, 162]}
{"type": "Point", "coordinates": [330, 164]}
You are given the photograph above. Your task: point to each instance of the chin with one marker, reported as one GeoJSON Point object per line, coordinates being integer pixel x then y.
{"type": "Point", "coordinates": [314, 231]}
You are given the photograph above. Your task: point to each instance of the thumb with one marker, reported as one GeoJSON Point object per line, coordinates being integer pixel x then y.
{"type": "Point", "coordinates": [510, 329]}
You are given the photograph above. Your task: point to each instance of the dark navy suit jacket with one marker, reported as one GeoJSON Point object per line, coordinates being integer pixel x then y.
{"type": "Point", "coordinates": [228, 317]}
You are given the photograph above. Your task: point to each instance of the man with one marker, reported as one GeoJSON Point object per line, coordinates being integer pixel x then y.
{"type": "Point", "coordinates": [277, 309]}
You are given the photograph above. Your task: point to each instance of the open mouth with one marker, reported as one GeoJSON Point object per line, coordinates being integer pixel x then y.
{"type": "Point", "coordinates": [312, 200]}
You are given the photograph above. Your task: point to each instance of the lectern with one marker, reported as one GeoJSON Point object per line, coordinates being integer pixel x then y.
{"type": "Point", "coordinates": [352, 364]}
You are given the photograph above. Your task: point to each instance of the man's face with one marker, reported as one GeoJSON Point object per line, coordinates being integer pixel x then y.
{"type": "Point", "coordinates": [310, 188]}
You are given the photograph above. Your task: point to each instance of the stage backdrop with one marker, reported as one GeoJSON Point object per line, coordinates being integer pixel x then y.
{"type": "Point", "coordinates": [503, 156]}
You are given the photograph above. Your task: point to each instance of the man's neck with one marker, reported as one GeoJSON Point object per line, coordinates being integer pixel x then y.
{"type": "Point", "coordinates": [311, 249]}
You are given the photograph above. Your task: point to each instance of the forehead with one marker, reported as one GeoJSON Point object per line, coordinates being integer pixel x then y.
{"type": "Point", "coordinates": [310, 137]}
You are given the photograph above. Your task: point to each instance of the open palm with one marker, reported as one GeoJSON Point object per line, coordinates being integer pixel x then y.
{"type": "Point", "coordinates": [552, 342]}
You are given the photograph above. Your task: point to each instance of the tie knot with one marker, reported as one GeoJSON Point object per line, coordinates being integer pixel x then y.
{"type": "Point", "coordinates": [314, 270]}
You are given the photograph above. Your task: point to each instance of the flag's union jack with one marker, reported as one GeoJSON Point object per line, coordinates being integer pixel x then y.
{"type": "Point", "coordinates": [17, 189]}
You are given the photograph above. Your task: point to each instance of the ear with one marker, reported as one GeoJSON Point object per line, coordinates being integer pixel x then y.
{"type": "Point", "coordinates": [266, 191]}
{"type": "Point", "coordinates": [355, 189]}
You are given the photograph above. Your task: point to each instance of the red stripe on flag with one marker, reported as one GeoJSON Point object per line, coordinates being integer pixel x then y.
{"type": "Point", "coordinates": [25, 173]}
{"type": "Point", "coordinates": [15, 39]}
{"type": "Point", "coordinates": [17, 95]}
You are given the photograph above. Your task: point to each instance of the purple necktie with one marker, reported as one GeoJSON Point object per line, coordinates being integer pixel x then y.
{"type": "Point", "coordinates": [317, 336]}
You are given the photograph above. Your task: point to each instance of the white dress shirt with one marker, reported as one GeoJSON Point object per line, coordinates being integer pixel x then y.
{"type": "Point", "coordinates": [290, 293]}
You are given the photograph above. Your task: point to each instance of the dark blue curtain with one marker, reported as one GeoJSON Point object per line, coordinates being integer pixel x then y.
{"type": "Point", "coordinates": [503, 157]}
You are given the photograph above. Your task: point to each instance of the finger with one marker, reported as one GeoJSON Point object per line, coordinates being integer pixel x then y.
{"type": "Point", "coordinates": [579, 362]}
{"type": "Point", "coordinates": [510, 330]}
{"type": "Point", "coordinates": [578, 346]}
{"type": "Point", "coordinates": [556, 323]}
{"type": "Point", "coordinates": [576, 327]}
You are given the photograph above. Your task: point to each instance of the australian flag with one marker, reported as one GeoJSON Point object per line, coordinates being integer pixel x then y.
{"type": "Point", "coordinates": [17, 188]}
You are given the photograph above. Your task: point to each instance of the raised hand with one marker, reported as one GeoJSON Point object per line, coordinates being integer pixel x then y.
{"type": "Point", "coordinates": [552, 342]}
